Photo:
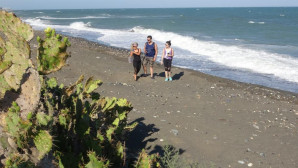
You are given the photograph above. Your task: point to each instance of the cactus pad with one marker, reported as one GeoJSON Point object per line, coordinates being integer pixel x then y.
{"type": "Point", "coordinates": [52, 53]}
{"type": "Point", "coordinates": [14, 51]}
{"type": "Point", "coordinates": [95, 163]}
{"type": "Point", "coordinates": [43, 142]}
{"type": "Point", "coordinates": [9, 22]}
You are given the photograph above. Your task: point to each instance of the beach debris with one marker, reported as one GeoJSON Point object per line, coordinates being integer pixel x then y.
{"type": "Point", "coordinates": [262, 154]}
{"type": "Point", "coordinates": [256, 126]}
{"type": "Point", "coordinates": [174, 131]}
{"type": "Point", "coordinates": [241, 162]}
{"type": "Point", "coordinates": [249, 164]}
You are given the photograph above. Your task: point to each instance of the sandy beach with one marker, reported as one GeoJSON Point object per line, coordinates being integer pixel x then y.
{"type": "Point", "coordinates": [209, 119]}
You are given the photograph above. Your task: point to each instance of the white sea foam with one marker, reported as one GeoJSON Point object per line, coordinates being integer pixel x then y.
{"type": "Point", "coordinates": [71, 18]}
{"type": "Point", "coordinates": [257, 61]}
{"type": "Point", "coordinates": [252, 22]}
{"type": "Point", "coordinates": [235, 57]}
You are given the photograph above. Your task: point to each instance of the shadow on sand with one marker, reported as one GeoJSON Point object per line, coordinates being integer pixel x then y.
{"type": "Point", "coordinates": [139, 138]}
{"type": "Point", "coordinates": [175, 76]}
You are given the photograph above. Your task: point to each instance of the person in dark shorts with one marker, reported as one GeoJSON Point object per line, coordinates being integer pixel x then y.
{"type": "Point", "coordinates": [136, 54]}
{"type": "Point", "coordinates": [166, 59]}
{"type": "Point", "coordinates": [150, 50]}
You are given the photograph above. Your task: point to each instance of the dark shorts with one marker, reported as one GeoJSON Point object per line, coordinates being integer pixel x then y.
{"type": "Point", "coordinates": [149, 60]}
{"type": "Point", "coordinates": [167, 64]}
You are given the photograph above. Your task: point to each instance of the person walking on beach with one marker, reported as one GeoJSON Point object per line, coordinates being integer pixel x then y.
{"type": "Point", "coordinates": [151, 51]}
{"type": "Point", "coordinates": [166, 59]}
{"type": "Point", "coordinates": [136, 54]}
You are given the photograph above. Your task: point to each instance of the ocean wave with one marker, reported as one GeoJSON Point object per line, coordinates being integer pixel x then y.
{"type": "Point", "coordinates": [71, 18]}
{"type": "Point", "coordinates": [37, 22]}
{"type": "Point", "coordinates": [257, 61]}
{"type": "Point", "coordinates": [235, 57]}
{"type": "Point", "coordinates": [252, 22]}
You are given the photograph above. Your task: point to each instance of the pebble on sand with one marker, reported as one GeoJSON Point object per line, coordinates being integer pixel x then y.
{"type": "Point", "coordinates": [174, 131]}
{"type": "Point", "coordinates": [241, 162]}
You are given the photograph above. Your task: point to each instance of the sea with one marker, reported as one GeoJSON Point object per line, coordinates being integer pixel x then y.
{"type": "Point", "coordinates": [251, 45]}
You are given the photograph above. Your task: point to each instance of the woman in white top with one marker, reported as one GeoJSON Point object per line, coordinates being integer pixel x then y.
{"type": "Point", "coordinates": [166, 59]}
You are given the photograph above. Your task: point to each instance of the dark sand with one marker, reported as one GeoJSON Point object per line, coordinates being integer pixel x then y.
{"type": "Point", "coordinates": [210, 119]}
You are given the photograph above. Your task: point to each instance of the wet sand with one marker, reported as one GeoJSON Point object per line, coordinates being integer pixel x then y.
{"type": "Point", "coordinates": [210, 119]}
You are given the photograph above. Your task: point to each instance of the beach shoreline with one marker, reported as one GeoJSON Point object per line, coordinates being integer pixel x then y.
{"type": "Point", "coordinates": [211, 119]}
{"type": "Point", "coordinates": [123, 53]}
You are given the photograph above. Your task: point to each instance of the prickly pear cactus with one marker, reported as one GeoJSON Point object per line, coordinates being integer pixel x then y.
{"type": "Point", "coordinates": [4, 65]}
{"type": "Point", "coordinates": [9, 22]}
{"type": "Point", "coordinates": [147, 161]}
{"type": "Point", "coordinates": [43, 143]}
{"type": "Point", "coordinates": [17, 161]}
{"type": "Point", "coordinates": [51, 55]}
{"type": "Point", "coordinates": [14, 51]}
{"type": "Point", "coordinates": [95, 162]}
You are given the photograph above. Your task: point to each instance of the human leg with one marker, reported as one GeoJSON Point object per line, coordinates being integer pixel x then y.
{"type": "Point", "coordinates": [138, 67]}
{"type": "Point", "coordinates": [169, 70]}
{"type": "Point", "coordinates": [151, 67]}
{"type": "Point", "coordinates": [145, 62]}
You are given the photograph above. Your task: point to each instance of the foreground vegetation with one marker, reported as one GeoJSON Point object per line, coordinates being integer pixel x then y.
{"type": "Point", "coordinates": [44, 124]}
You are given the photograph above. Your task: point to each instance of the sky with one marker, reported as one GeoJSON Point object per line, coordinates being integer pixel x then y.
{"type": "Point", "coordinates": [98, 4]}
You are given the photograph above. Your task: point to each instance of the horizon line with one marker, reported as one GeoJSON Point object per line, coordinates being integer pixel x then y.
{"type": "Point", "coordinates": [158, 8]}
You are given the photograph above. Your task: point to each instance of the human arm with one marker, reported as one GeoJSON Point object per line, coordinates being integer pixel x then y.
{"type": "Point", "coordinates": [138, 52]}
{"type": "Point", "coordinates": [156, 51]}
{"type": "Point", "coordinates": [131, 53]}
{"type": "Point", "coordinates": [162, 56]}
{"type": "Point", "coordinates": [172, 55]}
{"type": "Point", "coordinates": [145, 51]}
